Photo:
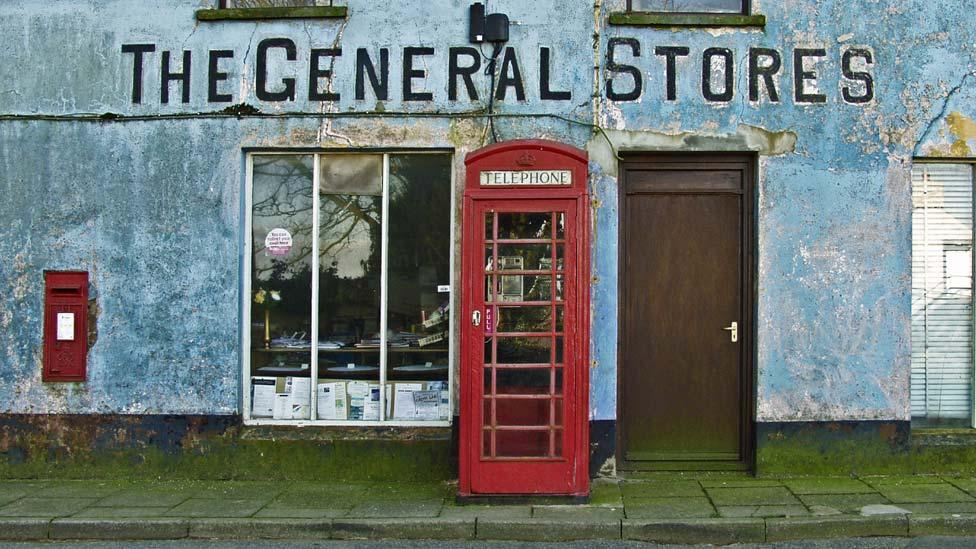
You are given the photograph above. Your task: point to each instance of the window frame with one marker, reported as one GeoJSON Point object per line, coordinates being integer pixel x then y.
{"type": "Point", "coordinates": [919, 163]}
{"type": "Point", "coordinates": [246, 292]}
{"type": "Point", "coordinates": [746, 10]}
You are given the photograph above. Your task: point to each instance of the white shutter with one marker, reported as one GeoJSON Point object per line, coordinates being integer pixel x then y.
{"type": "Point", "coordinates": [942, 294]}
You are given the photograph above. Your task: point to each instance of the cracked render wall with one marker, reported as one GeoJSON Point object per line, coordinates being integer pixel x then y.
{"type": "Point", "coordinates": [153, 207]}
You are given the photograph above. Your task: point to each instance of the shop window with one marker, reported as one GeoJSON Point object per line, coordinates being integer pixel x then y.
{"type": "Point", "coordinates": [349, 289]}
{"type": "Point", "coordinates": [942, 295]}
{"type": "Point", "coordinates": [688, 6]}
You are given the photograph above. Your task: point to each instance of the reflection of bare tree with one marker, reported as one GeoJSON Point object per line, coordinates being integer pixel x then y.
{"type": "Point", "coordinates": [282, 198]}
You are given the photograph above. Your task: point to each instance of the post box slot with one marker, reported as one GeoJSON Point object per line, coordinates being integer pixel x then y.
{"type": "Point", "coordinates": [66, 291]}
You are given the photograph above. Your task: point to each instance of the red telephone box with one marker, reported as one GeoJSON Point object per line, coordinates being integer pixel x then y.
{"type": "Point", "coordinates": [525, 321]}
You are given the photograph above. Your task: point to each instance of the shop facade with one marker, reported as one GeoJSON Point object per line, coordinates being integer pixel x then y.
{"type": "Point", "coordinates": [376, 241]}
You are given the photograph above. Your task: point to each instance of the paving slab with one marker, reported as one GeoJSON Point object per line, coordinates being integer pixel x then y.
{"type": "Point", "coordinates": [924, 493]}
{"type": "Point", "coordinates": [574, 512]}
{"type": "Point", "coordinates": [902, 479]}
{"type": "Point", "coordinates": [838, 526]}
{"type": "Point", "coordinates": [661, 489]}
{"type": "Point", "coordinates": [547, 530]}
{"type": "Point", "coordinates": [404, 528]}
{"type": "Point", "coordinates": [79, 489]}
{"type": "Point", "coordinates": [120, 512]}
{"type": "Point", "coordinates": [299, 512]}
{"type": "Point", "coordinates": [216, 508]}
{"type": "Point", "coordinates": [315, 501]}
{"type": "Point", "coordinates": [739, 482]}
{"type": "Point", "coordinates": [663, 508]}
{"type": "Point", "coordinates": [240, 490]}
{"type": "Point", "coordinates": [942, 525]}
{"type": "Point", "coordinates": [24, 528]}
{"type": "Point", "coordinates": [77, 528]}
{"type": "Point", "coordinates": [139, 498]}
{"type": "Point", "coordinates": [26, 487]}
{"type": "Point", "coordinates": [847, 503]}
{"type": "Point", "coordinates": [761, 495]}
{"type": "Point", "coordinates": [237, 529]}
{"type": "Point", "coordinates": [396, 509]}
{"type": "Point", "coordinates": [968, 485]}
{"type": "Point", "coordinates": [763, 511]}
{"type": "Point", "coordinates": [605, 493]}
{"type": "Point", "coordinates": [828, 486]}
{"type": "Point", "coordinates": [45, 507]}
{"type": "Point", "coordinates": [692, 531]}
{"type": "Point", "coordinates": [963, 507]}
{"type": "Point", "coordinates": [496, 512]}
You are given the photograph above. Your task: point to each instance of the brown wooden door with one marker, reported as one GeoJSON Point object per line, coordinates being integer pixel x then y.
{"type": "Point", "coordinates": [685, 381]}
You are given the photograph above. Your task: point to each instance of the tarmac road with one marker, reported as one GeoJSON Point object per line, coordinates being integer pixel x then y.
{"type": "Point", "coordinates": [924, 542]}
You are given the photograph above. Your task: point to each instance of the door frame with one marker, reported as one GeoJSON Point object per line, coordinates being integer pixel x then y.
{"type": "Point", "coordinates": [746, 163]}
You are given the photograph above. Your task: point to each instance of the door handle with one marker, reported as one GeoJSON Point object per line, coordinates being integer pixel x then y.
{"type": "Point", "coordinates": [476, 318]}
{"type": "Point", "coordinates": [734, 328]}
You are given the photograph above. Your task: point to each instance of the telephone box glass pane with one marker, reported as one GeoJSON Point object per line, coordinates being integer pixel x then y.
{"type": "Point", "coordinates": [524, 350]}
{"type": "Point", "coordinates": [524, 257]}
{"type": "Point", "coordinates": [524, 319]}
{"type": "Point", "coordinates": [522, 443]}
{"type": "Point", "coordinates": [523, 412]}
{"type": "Point", "coordinates": [522, 226]}
{"type": "Point", "coordinates": [281, 288]}
{"type": "Point", "coordinates": [524, 381]}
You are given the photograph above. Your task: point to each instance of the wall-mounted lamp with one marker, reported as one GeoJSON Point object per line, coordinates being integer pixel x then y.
{"type": "Point", "coordinates": [487, 28]}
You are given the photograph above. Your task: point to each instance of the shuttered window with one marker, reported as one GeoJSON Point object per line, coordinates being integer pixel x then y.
{"type": "Point", "coordinates": [942, 294]}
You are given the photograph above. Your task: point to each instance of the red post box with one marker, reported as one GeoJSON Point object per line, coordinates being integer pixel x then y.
{"type": "Point", "coordinates": [65, 325]}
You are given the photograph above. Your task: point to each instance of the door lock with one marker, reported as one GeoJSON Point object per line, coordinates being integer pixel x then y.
{"type": "Point", "coordinates": [734, 328]}
{"type": "Point", "coordinates": [476, 318]}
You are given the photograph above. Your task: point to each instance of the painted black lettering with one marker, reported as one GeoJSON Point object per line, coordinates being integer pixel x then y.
{"type": "Point", "coordinates": [506, 80]}
{"type": "Point", "coordinates": [671, 53]}
{"type": "Point", "coordinates": [168, 76]}
{"type": "Point", "coordinates": [365, 68]}
{"type": "Point", "coordinates": [756, 71]}
{"type": "Point", "coordinates": [286, 94]}
{"type": "Point", "coordinates": [409, 74]}
{"type": "Point", "coordinates": [454, 70]}
{"type": "Point", "coordinates": [215, 77]}
{"type": "Point", "coordinates": [545, 91]}
{"type": "Point", "coordinates": [858, 76]}
{"type": "Point", "coordinates": [801, 75]}
{"type": "Point", "coordinates": [137, 51]}
{"type": "Point", "coordinates": [316, 73]}
{"type": "Point", "coordinates": [729, 90]}
{"type": "Point", "coordinates": [614, 67]}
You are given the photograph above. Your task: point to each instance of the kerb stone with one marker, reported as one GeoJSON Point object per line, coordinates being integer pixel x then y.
{"type": "Point", "coordinates": [548, 529]}
{"type": "Point", "coordinates": [694, 531]}
{"type": "Point", "coordinates": [230, 528]}
{"type": "Point", "coordinates": [404, 528]}
{"type": "Point", "coordinates": [942, 525]}
{"type": "Point", "coordinates": [836, 526]}
{"type": "Point", "coordinates": [23, 528]}
{"type": "Point", "coordinates": [118, 529]}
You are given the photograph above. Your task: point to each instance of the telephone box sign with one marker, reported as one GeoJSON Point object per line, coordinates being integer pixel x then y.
{"type": "Point", "coordinates": [527, 177]}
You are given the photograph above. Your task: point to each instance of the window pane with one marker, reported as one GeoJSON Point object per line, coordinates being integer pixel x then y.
{"type": "Point", "coordinates": [352, 174]}
{"type": "Point", "coordinates": [350, 233]}
{"type": "Point", "coordinates": [701, 6]}
{"type": "Point", "coordinates": [281, 292]}
{"type": "Point", "coordinates": [942, 296]}
{"type": "Point", "coordinates": [418, 263]}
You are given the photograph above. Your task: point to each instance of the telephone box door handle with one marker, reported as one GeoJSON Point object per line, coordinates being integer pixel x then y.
{"type": "Point", "coordinates": [476, 318]}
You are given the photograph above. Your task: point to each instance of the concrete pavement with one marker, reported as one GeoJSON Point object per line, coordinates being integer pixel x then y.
{"type": "Point", "coordinates": [664, 507]}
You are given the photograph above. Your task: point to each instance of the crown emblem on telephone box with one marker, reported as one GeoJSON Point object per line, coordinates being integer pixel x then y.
{"type": "Point", "coordinates": [526, 160]}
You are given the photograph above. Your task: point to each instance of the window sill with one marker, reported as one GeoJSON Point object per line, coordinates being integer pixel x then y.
{"type": "Point", "coordinates": [653, 19]}
{"type": "Point", "coordinates": [286, 12]}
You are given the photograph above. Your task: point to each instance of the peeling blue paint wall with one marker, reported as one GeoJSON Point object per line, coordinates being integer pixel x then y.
{"type": "Point", "coordinates": [153, 208]}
